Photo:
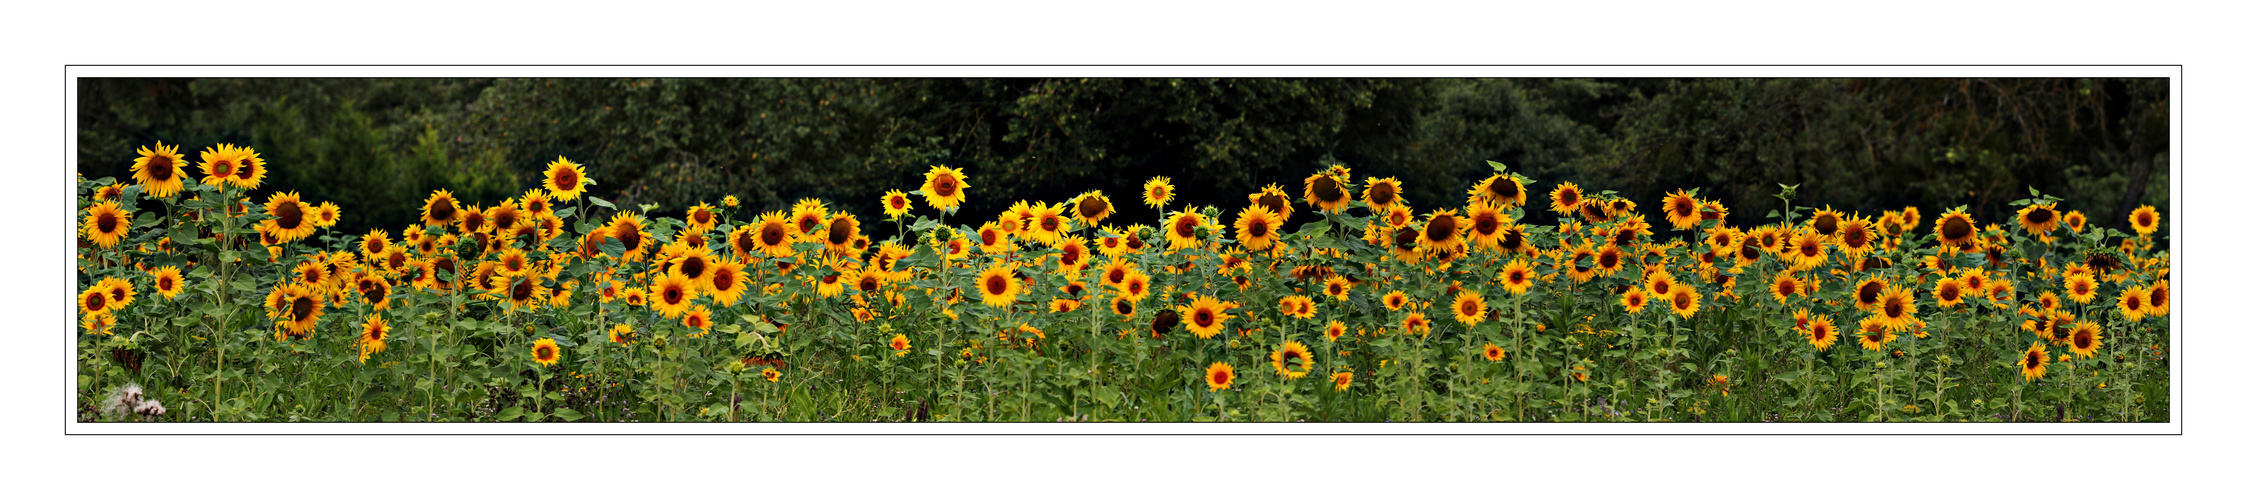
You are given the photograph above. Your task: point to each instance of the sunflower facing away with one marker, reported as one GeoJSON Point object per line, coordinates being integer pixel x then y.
{"type": "Point", "coordinates": [944, 187]}
{"type": "Point", "coordinates": [1292, 360]}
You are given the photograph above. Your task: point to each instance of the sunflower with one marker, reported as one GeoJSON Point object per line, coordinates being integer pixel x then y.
{"type": "Point", "coordinates": [1567, 198]}
{"type": "Point", "coordinates": [1685, 301]}
{"type": "Point", "coordinates": [94, 300]}
{"type": "Point", "coordinates": [1395, 300]}
{"type": "Point", "coordinates": [1468, 308]}
{"type": "Point", "coordinates": [1499, 189]}
{"type": "Point", "coordinates": [167, 281]}
{"type": "Point", "coordinates": [1493, 353]}
{"type": "Point", "coordinates": [1122, 307]}
{"type": "Point", "coordinates": [1956, 228]}
{"type": "Point", "coordinates": [2033, 362]}
{"type": "Point", "coordinates": [1341, 381]}
{"type": "Point", "coordinates": [1634, 299]}
{"type": "Point", "coordinates": [671, 294]}
{"type": "Point", "coordinates": [2038, 219]}
{"type": "Point", "coordinates": [2157, 298]}
{"type": "Point", "coordinates": [545, 352]}
{"type": "Point", "coordinates": [1949, 292]}
{"type": "Point", "coordinates": [1682, 211]}
{"type": "Point", "coordinates": [1825, 222]}
{"type": "Point", "coordinates": [1872, 334]}
{"type": "Point", "coordinates": [1219, 376]}
{"type": "Point", "coordinates": [1417, 323]}
{"type": "Point", "coordinates": [998, 285]}
{"type": "Point", "coordinates": [1807, 251]}
{"type": "Point", "coordinates": [1135, 286]}
{"type": "Point", "coordinates": [1856, 237]}
{"type": "Point", "coordinates": [524, 293]}
{"type": "Point", "coordinates": [1579, 264]}
{"type": "Point", "coordinates": [1292, 360]}
{"type": "Point", "coordinates": [1820, 331]}
{"type": "Point", "coordinates": [1517, 277]}
{"type": "Point", "coordinates": [944, 187]}
{"type": "Point", "coordinates": [698, 319]}
{"type": "Point", "coordinates": [2083, 288]}
{"type": "Point", "coordinates": [1337, 288]}
{"type": "Point", "coordinates": [725, 281]}
{"type": "Point", "coordinates": [1485, 224]}
{"type": "Point", "coordinates": [1659, 284]}
{"type": "Point", "coordinates": [1714, 211]}
{"type": "Point", "coordinates": [2075, 220]}
{"type": "Point", "coordinates": [1334, 331]}
{"type": "Point", "coordinates": [98, 323]}
{"type": "Point", "coordinates": [1182, 230]}
{"type": "Point", "coordinates": [1442, 232]}
{"type": "Point", "coordinates": [1091, 207]}
{"type": "Point", "coordinates": [2084, 340]}
{"type": "Point", "coordinates": [1047, 223]}
{"type": "Point", "coordinates": [1256, 227]}
{"type": "Point", "coordinates": [157, 170]}
{"type": "Point", "coordinates": [769, 235]}
{"type": "Point", "coordinates": [1297, 306]}
{"type": "Point", "coordinates": [219, 164]}
{"type": "Point", "coordinates": [2145, 220]}
{"type": "Point", "coordinates": [374, 336]}
{"type": "Point", "coordinates": [1785, 284]}
{"type": "Point", "coordinates": [110, 192]}
{"type": "Point", "coordinates": [1327, 191]}
{"type": "Point", "coordinates": [1206, 316]}
{"type": "Point", "coordinates": [1382, 193]}
{"type": "Point", "coordinates": [621, 334]}
{"type": "Point", "coordinates": [374, 290]}
{"type": "Point", "coordinates": [841, 232]}
{"type": "Point", "coordinates": [301, 311]}
{"type": "Point", "coordinates": [2134, 303]}
{"type": "Point", "coordinates": [1629, 231]}
{"type": "Point", "coordinates": [1156, 192]}
{"type": "Point", "coordinates": [106, 223]}
{"type": "Point", "coordinates": [630, 232]}
{"type": "Point", "coordinates": [1896, 308]}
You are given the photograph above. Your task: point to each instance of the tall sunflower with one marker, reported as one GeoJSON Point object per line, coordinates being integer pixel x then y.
{"type": "Point", "coordinates": [895, 204]}
{"type": "Point", "coordinates": [1500, 189]}
{"type": "Point", "coordinates": [1517, 277]}
{"type": "Point", "coordinates": [1567, 198]}
{"type": "Point", "coordinates": [249, 169]}
{"type": "Point", "coordinates": [1443, 232]}
{"type": "Point", "coordinates": [106, 224]}
{"type": "Point", "coordinates": [1896, 308]}
{"type": "Point", "coordinates": [1328, 190]}
{"type": "Point", "coordinates": [1485, 223]}
{"type": "Point", "coordinates": [1336, 287]}
{"type": "Point", "coordinates": [671, 294]}
{"type": "Point", "coordinates": [944, 187]}
{"type": "Point", "coordinates": [1157, 192]}
{"type": "Point", "coordinates": [2084, 339]}
{"type": "Point", "coordinates": [1684, 301]}
{"type": "Point", "coordinates": [1785, 284]}
{"type": "Point", "coordinates": [218, 164]}
{"type": "Point", "coordinates": [2038, 219]}
{"type": "Point", "coordinates": [1206, 316]}
{"type": "Point", "coordinates": [1681, 210]}
{"type": "Point", "coordinates": [1825, 221]}
{"type": "Point", "coordinates": [1820, 330]}
{"type": "Point", "coordinates": [545, 352]}
{"type": "Point", "coordinates": [565, 179]}
{"type": "Point", "coordinates": [1382, 193]}
{"type": "Point", "coordinates": [291, 218]}
{"type": "Point", "coordinates": [1047, 223]}
{"type": "Point", "coordinates": [1956, 228]}
{"type": "Point", "coordinates": [1468, 308]}
{"type": "Point", "coordinates": [2144, 220]}
{"type": "Point", "coordinates": [1856, 237]}
{"type": "Point", "coordinates": [1292, 360]}
{"type": "Point", "coordinates": [2075, 220]}
{"type": "Point", "coordinates": [769, 235]}
{"type": "Point", "coordinates": [374, 336]}
{"type": "Point", "coordinates": [726, 282]}
{"type": "Point", "coordinates": [1256, 227]}
{"type": "Point", "coordinates": [1092, 207]}
{"type": "Point", "coordinates": [157, 170]}
{"type": "Point", "coordinates": [1949, 292]}
{"type": "Point", "coordinates": [998, 285]}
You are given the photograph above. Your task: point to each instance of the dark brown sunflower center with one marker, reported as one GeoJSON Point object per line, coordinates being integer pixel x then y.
{"type": "Point", "coordinates": [1854, 237]}
{"type": "Point", "coordinates": [289, 215]}
{"type": "Point", "coordinates": [1568, 197]}
{"type": "Point", "coordinates": [2039, 215]}
{"type": "Point", "coordinates": [1124, 307]}
{"type": "Point", "coordinates": [1382, 194]}
{"type": "Point", "coordinates": [1326, 189]}
{"type": "Point", "coordinates": [995, 285]}
{"type": "Point", "coordinates": [1869, 292]}
{"type": "Point", "coordinates": [1470, 308]}
{"type": "Point", "coordinates": [1441, 229]}
{"type": "Point", "coordinates": [693, 267]}
{"type": "Point", "coordinates": [1486, 224]}
{"type": "Point", "coordinates": [1957, 228]}
{"type": "Point", "coordinates": [1786, 287]}
{"type": "Point", "coordinates": [535, 206]}
{"type": "Point", "coordinates": [521, 291]}
{"type": "Point", "coordinates": [1405, 238]}
{"type": "Point", "coordinates": [704, 216]}
{"type": "Point", "coordinates": [674, 294]}
{"type": "Point", "coordinates": [1681, 301]}
{"type": "Point", "coordinates": [247, 172]}
{"type": "Point", "coordinates": [1893, 308]}
{"type": "Point", "coordinates": [96, 302]}
{"type": "Point", "coordinates": [722, 279]}
{"type": "Point", "coordinates": [2082, 338]}
{"type": "Point", "coordinates": [841, 231]}
{"type": "Point", "coordinates": [301, 308]}
{"type": "Point", "coordinates": [1092, 208]}
{"type": "Point", "coordinates": [1505, 187]}
{"type": "Point", "coordinates": [2159, 297]}
{"type": "Point", "coordinates": [565, 179]}
{"type": "Point", "coordinates": [2145, 219]}
{"type": "Point", "coordinates": [2035, 360]}
{"type": "Point", "coordinates": [1626, 235]}
{"type": "Point", "coordinates": [160, 168]}
{"type": "Point", "coordinates": [1826, 224]}
{"type": "Point", "coordinates": [1257, 228]}
{"type": "Point", "coordinates": [1950, 293]}
{"type": "Point", "coordinates": [1204, 318]}
{"type": "Point", "coordinates": [106, 222]}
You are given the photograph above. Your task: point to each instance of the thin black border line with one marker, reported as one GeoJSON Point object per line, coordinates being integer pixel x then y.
{"type": "Point", "coordinates": [2177, 383]}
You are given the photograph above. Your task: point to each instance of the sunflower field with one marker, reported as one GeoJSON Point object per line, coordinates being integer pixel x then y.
{"type": "Point", "coordinates": [199, 299]}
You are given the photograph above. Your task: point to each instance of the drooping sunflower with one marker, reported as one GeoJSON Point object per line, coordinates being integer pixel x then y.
{"type": "Point", "coordinates": [1820, 330]}
{"type": "Point", "coordinates": [1219, 376]}
{"type": "Point", "coordinates": [1468, 308]}
{"type": "Point", "coordinates": [1206, 316]}
{"type": "Point", "coordinates": [671, 294]}
{"type": "Point", "coordinates": [1493, 353]}
{"type": "Point", "coordinates": [944, 187]}
{"type": "Point", "coordinates": [1567, 198]}
{"type": "Point", "coordinates": [1955, 228]}
{"type": "Point", "coordinates": [1182, 230]}
{"type": "Point", "coordinates": [106, 224]}
{"type": "Point", "coordinates": [1681, 209]}
{"type": "Point", "coordinates": [1092, 207]}
{"type": "Point", "coordinates": [1327, 191]}
{"type": "Point", "coordinates": [1896, 308]}
{"type": "Point", "coordinates": [2145, 220]}
{"type": "Point", "coordinates": [157, 170]}
{"type": "Point", "coordinates": [1292, 360]}
{"type": "Point", "coordinates": [1443, 232]}
{"type": "Point", "coordinates": [1256, 227]}
{"type": "Point", "coordinates": [998, 285]}
{"type": "Point", "coordinates": [545, 352]}
{"type": "Point", "coordinates": [1684, 301]}
{"type": "Point", "coordinates": [2033, 362]}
